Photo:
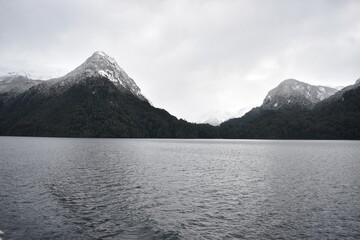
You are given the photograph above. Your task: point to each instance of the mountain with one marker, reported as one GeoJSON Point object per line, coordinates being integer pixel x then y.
{"type": "Point", "coordinates": [100, 64]}
{"type": "Point", "coordinates": [291, 93]}
{"type": "Point", "coordinates": [215, 118]}
{"type": "Point", "coordinates": [97, 99]}
{"type": "Point", "coordinates": [335, 117]}
{"type": "Point", "coordinates": [339, 95]}
{"type": "Point", "coordinates": [15, 84]}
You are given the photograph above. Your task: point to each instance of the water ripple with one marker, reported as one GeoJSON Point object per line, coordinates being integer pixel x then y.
{"type": "Point", "coordinates": [57, 188]}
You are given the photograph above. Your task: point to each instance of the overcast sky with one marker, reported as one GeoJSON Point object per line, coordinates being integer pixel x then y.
{"type": "Point", "coordinates": [189, 57]}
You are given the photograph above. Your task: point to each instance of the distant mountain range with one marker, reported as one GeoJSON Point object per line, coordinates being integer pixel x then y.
{"type": "Point", "coordinates": [215, 118]}
{"type": "Point", "coordinates": [98, 99]}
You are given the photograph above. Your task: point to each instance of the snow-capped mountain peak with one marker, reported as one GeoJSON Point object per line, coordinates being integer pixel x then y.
{"type": "Point", "coordinates": [293, 93]}
{"type": "Point", "coordinates": [101, 64]}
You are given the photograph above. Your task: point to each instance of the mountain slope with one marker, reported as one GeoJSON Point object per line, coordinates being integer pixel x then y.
{"type": "Point", "coordinates": [335, 118]}
{"type": "Point", "coordinates": [290, 94]}
{"type": "Point", "coordinates": [88, 103]}
{"type": "Point", "coordinates": [98, 99]}
{"type": "Point", "coordinates": [339, 95]}
{"type": "Point", "coordinates": [13, 85]}
{"type": "Point", "coordinates": [101, 64]}
{"type": "Point", "coordinates": [16, 83]}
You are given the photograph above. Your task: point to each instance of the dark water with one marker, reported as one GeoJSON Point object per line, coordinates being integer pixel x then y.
{"type": "Point", "coordinates": [54, 188]}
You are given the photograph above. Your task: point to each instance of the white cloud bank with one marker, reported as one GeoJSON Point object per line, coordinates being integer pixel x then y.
{"type": "Point", "coordinates": [189, 57]}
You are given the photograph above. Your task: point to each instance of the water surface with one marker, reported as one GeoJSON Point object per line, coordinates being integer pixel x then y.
{"type": "Point", "coordinates": [63, 188]}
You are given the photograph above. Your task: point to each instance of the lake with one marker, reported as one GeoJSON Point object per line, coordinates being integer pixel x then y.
{"type": "Point", "coordinates": [67, 188]}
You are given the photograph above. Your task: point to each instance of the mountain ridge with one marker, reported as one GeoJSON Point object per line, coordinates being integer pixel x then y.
{"type": "Point", "coordinates": [292, 93]}
{"type": "Point", "coordinates": [336, 117]}
{"type": "Point", "coordinates": [98, 99]}
{"type": "Point", "coordinates": [101, 64]}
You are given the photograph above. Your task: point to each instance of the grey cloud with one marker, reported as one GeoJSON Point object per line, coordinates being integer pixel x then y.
{"type": "Point", "coordinates": [190, 57]}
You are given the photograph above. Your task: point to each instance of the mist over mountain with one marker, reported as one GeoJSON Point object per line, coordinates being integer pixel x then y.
{"type": "Point", "coordinates": [16, 84]}
{"type": "Point", "coordinates": [215, 118]}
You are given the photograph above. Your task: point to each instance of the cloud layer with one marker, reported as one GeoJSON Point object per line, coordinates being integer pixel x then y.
{"type": "Point", "coordinates": [189, 57]}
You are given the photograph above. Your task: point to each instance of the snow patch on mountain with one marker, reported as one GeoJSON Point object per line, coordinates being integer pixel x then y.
{"type": "Point", "coordinates": [101, 64]}
{"type": "Point", "coordinates": [216, 117]}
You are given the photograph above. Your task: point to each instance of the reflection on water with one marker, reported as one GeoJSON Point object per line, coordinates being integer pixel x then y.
{"type": "Point", "coordinates": [57, 188]}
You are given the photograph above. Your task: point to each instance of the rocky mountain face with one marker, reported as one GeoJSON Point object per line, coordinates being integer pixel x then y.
{"type": "Point", "coordinates": [291, 94]}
